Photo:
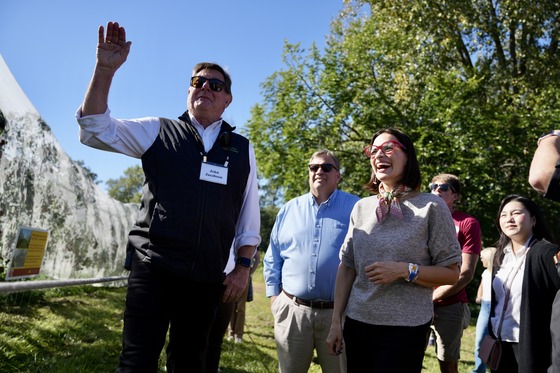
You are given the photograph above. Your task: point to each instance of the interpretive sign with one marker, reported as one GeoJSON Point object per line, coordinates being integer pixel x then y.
{"type": "Point", "coordinates": [28, 253]}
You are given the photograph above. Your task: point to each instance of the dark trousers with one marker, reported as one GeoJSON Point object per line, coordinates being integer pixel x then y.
{"type": "Point", "coordinates": [555, 334]}
{"type": "Point", "coordinates": [382, 348]}
{"type": "Point", "coordinates": [509, 359]}
{"type": "Point", "coordinates": [157, 301]}
{"type": "Point", "coordinates": [216, 337]}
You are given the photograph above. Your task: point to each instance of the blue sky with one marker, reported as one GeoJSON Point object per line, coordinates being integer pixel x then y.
{"type": "Point", "coordinates": [49, 47]}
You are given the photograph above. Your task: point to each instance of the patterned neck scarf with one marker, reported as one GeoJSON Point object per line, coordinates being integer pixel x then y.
{"type": "Point", "coordinates": [389, 203]}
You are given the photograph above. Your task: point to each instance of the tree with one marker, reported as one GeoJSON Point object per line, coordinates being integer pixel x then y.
{"type": "Point", "coordinates": [127, 188]}
{"type": "Point", "coordinates": [473, 83]}
{"type": "Point", "coordinates": [268, 217]}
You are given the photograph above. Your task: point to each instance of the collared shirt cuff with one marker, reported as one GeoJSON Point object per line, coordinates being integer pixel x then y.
{"type": "Point", "coordinates": [272, 290]}
{"type": "Point", "coordinates": [246, 239]}
{"type": "Point", "coordinates": [93, 123]}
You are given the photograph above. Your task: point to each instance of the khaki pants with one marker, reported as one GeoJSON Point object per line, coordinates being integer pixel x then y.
{"type": "Point", "coordinates": [449, 323]}
{"type": "Point", "coordinates": [298, 330]}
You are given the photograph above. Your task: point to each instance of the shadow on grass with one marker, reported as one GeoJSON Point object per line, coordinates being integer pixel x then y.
{"type": "Point", "coordinates": [73, 333]}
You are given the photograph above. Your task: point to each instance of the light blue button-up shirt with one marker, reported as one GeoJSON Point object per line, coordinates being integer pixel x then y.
{"type": "Point", "coordinates": [302, 257]}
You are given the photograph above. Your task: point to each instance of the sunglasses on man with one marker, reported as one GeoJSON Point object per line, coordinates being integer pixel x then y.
{"type": "Point", "coordinates": [326, 167]}
{"type": "Point", "coordinates": [443, 187]}
{"type": "Point", "coordinates": [216, 85]}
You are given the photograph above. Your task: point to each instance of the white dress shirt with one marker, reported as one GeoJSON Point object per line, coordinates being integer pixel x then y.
{"type": "Point", "coordinates": [133, 137]}
{"type": "Point", "coordinates": [510, 275]}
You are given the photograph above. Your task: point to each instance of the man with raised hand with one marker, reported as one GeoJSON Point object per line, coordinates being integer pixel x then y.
{"type": "Point", "coordinates": [199, 195]}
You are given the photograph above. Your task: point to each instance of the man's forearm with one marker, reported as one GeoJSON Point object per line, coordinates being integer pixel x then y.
{"type": "Point", "coordinates": [544, 161]}
{"type": "Point", "coordinates": [246, 251]}
{"type": "Point", "coordinates": [97, 95]}
{"type": "Point", "coordinates": [442, 292]}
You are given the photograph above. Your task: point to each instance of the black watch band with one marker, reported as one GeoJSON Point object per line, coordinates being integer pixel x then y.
{"type": "Point", "coordinates": [245, 262]}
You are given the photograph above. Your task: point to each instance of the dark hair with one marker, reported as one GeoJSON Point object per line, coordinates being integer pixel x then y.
{"type": "Point", "coordinates": [213, 66]}
{"type": "Point", "coordinates": [411, 175]}
{"type": "Point", "coordinates": [540, 229]}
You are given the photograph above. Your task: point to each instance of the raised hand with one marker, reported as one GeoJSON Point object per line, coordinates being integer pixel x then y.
{"type": "Point", "coordinates": [112, 49]}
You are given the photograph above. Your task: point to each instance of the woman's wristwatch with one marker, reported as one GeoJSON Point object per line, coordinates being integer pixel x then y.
{"type": "Point", "coordinates": [413, 270]}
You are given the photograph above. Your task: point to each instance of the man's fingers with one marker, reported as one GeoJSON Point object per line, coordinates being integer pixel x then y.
{"type": "Point", "coordinates": [122, 36]}
{"type": "Point", "coordinates": [113, 30]}
{"type": "Point", "coordinates": [101, 35]}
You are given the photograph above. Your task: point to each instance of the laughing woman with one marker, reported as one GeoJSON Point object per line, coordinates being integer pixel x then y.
{"type": "Point", "coordinates": [400, 244]}
{"type": "Point", "coordinates": [523, 287]}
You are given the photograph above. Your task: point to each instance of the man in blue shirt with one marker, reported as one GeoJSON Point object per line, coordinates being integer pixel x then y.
{"type": "Point", "coordinates": [300, 267]}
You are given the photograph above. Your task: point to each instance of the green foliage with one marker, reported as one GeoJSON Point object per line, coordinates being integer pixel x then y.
{"type": "Point", "coordinates": [127, 188]}
{"type": "Point", "coordinates": [62, 331]}
{"type": "Point", "coordinates": [473, 83]}
{"type": "Point", "coordinates": [268, 216]}
{"type": "Point", "coordinates": [3, 267]}
{"type": "Point", "coordinates": [36, 298]}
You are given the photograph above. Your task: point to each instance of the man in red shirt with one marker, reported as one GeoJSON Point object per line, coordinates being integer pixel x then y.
{"type": "Point", "coordinates": [451, 311]}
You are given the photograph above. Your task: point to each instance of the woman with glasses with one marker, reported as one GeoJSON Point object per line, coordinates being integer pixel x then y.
{"type": "Point", "coordinates": [400, 244]}
{"type": "Point", "coordinates": [524, 283]}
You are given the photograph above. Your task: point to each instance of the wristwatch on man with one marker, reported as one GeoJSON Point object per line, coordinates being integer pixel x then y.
{"type": "Point", "coordinates": [244, 262]}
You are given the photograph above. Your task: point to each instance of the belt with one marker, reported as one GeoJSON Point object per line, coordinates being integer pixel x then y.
{"type": "Point", "coordinates": [323, 304]}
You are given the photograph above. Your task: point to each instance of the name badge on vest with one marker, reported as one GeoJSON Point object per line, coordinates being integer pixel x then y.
{"type": "Point", "coordinates": [214, 173]}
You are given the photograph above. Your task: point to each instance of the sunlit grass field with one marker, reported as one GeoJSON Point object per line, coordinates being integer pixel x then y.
{"type": "Point", "coordinates": [79, 330]}
{"type": "Point", "coordinates": [259, 342]}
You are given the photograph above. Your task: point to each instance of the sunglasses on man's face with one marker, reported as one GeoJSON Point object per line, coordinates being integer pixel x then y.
{"type": "Point", "coordinates": [215, 84]}
{"type": "Point", "coordinates": [326, 167]}
{"type": "Point", "coordinates": [442, 187]}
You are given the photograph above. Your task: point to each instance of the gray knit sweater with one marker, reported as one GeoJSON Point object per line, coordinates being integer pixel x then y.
{"type": "Point", "coordinates": [426, 236]}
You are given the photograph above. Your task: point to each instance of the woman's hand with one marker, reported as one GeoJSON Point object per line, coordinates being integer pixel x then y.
{"type": "Point", "coordinates": [382, 273]}
{"type": "Point", "coordinates": [335, 342]}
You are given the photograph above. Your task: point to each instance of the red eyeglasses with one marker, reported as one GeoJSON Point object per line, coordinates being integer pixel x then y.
{"type": "Point", "coordinates": [387, 148]}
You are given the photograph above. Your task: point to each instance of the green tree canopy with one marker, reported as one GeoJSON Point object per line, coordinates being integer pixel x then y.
{"type": "Point", "coordinates": [127, 188]}
{"type": "Point", "coordinates": [473, 83]}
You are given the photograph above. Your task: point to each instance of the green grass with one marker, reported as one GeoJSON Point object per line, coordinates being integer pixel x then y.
{"type": "Point", "coordinates": [62, 333]}
{"type": "Point", "coordinates": [79, 330]}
